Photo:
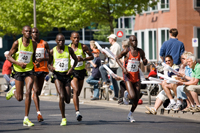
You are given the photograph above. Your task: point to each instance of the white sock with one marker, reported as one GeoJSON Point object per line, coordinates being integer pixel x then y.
{"type": "Point", "coordinates": [193, 106]}
{"type": "Point", "coordinates": [130, 113]}
{"type": "Point", "coordinates": [25, 117]}
{"type": "Point", "coordinates": [172, 101]}
{"type": "Point", "coordinates": [14, 90]}
{"type": "Point", "coordinates": [77, 112]}
{"type": "Point", "coordinates": [179, 102]}
{"type": "Point", "coordinates": [39, 113]}
{"type": "Point", "coordinates": [155, 109]}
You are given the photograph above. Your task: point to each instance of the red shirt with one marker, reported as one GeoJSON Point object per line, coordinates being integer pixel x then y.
{"type": "Point", "coordinates": [7, 67]}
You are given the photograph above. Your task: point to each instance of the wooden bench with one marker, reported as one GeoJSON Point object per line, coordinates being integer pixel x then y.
{"type": "Point", "coordinates": [102, 91]}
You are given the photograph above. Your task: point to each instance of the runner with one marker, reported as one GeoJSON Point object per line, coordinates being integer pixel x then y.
{"type": "Point", "coordinates": [22, 55]}
{"type": "Point", "coordinates": [42, 52]}
{"type": "Point", "coordinates": [131, 73]}
{"type": "Point", "coordinates": [62, 72]}
{"type": "Point", "coordinates": [79, 70]}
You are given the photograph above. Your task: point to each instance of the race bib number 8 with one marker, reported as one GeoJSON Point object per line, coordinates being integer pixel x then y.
{"type": "Point", "coordinates": [39, 53]}
{"type": "Point", "coordinates": [25, 56]}
{"type": "Point", "coordinates": [133, 65]}
{"type": "Point", "coordinates": [61, 64]}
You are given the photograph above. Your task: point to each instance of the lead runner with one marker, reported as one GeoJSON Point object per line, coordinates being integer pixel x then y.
{"type": "Point", "coordinates": [131, 75]}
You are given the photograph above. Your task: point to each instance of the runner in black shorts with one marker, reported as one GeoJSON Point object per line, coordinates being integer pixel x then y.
{"type": "Point", "coordinates": [40, 68]}
{"type": "Point", "coordinates": [24, 55]}
{"type": "Point", "coordinates": [79, 70]}
{"type": "Point", "coordinates": [62, 72]}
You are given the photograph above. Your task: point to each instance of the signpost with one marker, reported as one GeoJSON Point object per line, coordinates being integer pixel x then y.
{"type": "Point", "coordinates": [121, 35]}
{"type": "Point", "coordinates": [194, 42]}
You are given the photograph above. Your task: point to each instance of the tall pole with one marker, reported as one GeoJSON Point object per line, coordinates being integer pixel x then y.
{"type": "Point", "coordinates": [83, 35]}
{"type": "Point", "coordinates": [34, 13]}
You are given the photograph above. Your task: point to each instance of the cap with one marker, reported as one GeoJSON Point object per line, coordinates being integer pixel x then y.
{"type": "Point", "coordinates": [113, 36]}
{"type": "Point", "coordinates": [95, 51]}
{"type": "Point", "coordinates": [7, 52]}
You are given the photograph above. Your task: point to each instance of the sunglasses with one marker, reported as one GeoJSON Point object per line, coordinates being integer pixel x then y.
{"type": "Point", "coordinates": [167, 60]}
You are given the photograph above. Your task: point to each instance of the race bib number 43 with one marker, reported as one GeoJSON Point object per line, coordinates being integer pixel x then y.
{"type": "Point", "coordinates": [133, 65]}
{"type": "Point", "coordinates": [25, 56]}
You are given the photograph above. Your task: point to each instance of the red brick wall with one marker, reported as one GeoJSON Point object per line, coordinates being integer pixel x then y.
{"type": "Point", "coordinates": [181, 15]}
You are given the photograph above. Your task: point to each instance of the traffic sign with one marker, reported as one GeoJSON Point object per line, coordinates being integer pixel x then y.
{"type": "Point", "coordinates": [120, 34]}
{"type": "Point", "coordinates": [194, 42]}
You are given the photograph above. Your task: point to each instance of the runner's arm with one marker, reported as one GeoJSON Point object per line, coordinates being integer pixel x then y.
{"type": "Point", "coordinates": [86, 50]}
{"type": "Point", "coordinates": [51, 68]}
{"type": "Point", "coordinates": [123, 53]}
{"type": "Point", "coordinates": [12, 51]}
{"type": "Point", "coordinates": [142, 54]}
{"type": "Point", "coordinates": [71, 51]}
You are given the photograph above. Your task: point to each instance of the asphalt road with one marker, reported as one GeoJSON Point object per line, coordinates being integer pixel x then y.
{"type": "Point", "coordinates": [96, 119]}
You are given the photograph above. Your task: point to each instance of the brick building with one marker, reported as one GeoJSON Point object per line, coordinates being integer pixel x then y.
{"type": "Point", "coordinates": [152, 26]}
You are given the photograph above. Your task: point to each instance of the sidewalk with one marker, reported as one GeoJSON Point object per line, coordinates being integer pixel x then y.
{"type": "Point", "coordinates": [113, 104]}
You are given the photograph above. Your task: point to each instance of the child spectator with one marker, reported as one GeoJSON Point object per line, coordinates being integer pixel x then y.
{"type": "Point", "coordinates": [94, 78]}
{"type": "Point", "coordinates": [6, 71]}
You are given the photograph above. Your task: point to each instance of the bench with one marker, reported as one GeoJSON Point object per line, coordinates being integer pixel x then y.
{"type": "Point", "coordinates": [102, 91]}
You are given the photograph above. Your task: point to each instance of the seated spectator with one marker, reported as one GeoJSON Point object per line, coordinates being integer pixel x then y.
{"type": "Point", "coordinates": [94, 78]}
{"type": "Point", "coordinates": [161, 97]}
{"type": "Point", "coordinates": [6, 71]}
{"type": "Point", "coordinates": [194, 84]}
{"type": "Point", "coordinates": [168, 87]}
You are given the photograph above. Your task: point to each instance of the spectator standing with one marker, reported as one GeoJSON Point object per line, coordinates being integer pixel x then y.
{"type": "Point", "coordinates": [6, 71]}
{"type": "Point", "coordinates": [112, 64]}
{"type": "Point", "coordinates": [94, 78]}
{"type": "Point", "coordinates": [172, 47]}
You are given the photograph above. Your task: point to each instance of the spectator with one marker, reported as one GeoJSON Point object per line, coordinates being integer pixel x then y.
{"type": "Point", "coordinates": [194, 83]}
{"type": "Point", "coordinates": [6, 71]}
{"type": "Point", "coordinates": [115, 49]}
{"type": "Point", "coordinates": [94, 78]}
{"type": "Point", "coordinates": [161, 97]}
{"type": "Point", "coordinates": [172, 47]}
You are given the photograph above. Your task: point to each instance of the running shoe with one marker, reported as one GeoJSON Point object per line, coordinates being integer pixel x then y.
{"type": "Point", "coordinates": [130, 118]}
{"type": "Point", "coordinates": [40, 118]}
{"type": "Point", "coordinates": [125, 99]}
{"type": "Point", "coordinates": [63, 122]}
{"type": "Point", "coordinates": [170, 106]}
{"type": "Point", "coordinates": [151, 110]}
{"type": "Point", "coordinates": [195, 109]}
{"type": "Point", "coordinates": [187, 109]}
{"type": "Point", "coordinates": [28, 123]}
{"type": "Point", "coordinates": [78, 116]}
{"type": "Point", "coordinates": [10, 93]}
{"type": "Point", "coordinates": [177, 107]}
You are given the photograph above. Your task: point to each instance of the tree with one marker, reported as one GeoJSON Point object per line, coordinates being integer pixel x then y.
{"type": "Point", "coordinates": [103, 32]}
{"type": "Point", "coordinates": [106, 11]}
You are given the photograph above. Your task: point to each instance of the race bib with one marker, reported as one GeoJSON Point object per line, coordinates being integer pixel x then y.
{"type": "Point", "coordinates": [78, 64]}
{"type": "Point", "coordinates": [25, 56]}
{"type": "Point", "coordinates": [133, 65]}
{"type": "Point", "coordinates": [39, 53]}
{"type": "Point", "coordinates": [61, 64]}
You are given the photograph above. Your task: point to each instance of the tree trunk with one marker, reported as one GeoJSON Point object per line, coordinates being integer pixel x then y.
{"type": "Point", "coordinates": [14, 37]}
{"type": "Point", "coordinates": [59, 30]}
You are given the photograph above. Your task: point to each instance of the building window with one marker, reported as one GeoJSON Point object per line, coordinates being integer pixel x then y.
{"type": "Point", "coordinates": [164, 4]}
{"type": "Point", "coordinates": [152, 45]}
{"type": "Point", "coordinates": [198, 36]}
{"type": "Point", "coordinates": [196, 4]}
{"type": "Point", "coordinates": [164, 35]}
{"type": "Point", "coordinates": [142, 40]}
{"type": "Point", "coordinates": [136, 35]}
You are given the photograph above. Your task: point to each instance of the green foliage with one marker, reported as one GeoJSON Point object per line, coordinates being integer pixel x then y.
{"type": "Point", "coordinates": [103, 32]}
{"type": "Point", "coordinates": [68, 14]}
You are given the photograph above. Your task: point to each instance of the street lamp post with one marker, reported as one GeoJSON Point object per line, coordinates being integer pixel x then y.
{"type": "Point", "coordinates": [34, 13]}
